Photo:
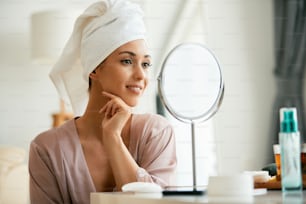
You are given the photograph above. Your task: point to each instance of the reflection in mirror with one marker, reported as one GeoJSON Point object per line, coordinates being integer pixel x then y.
{"type": "Point", "coordinates": [191, 87]}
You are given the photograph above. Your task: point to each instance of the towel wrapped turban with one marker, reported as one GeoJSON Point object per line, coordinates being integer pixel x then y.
{"type": "Point", "coordinates": [102, 28]}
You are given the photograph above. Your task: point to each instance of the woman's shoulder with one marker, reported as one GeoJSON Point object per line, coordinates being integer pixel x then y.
{"type": "Point", "coordinates": [151, 124]}
{"type": "Point", "coordinates": [151, 119]}
{"type": "Point", "coordinates": [50, 138]}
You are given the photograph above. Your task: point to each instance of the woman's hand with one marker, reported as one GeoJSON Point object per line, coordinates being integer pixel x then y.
{"type": "Point", "coordinates": [116, 114]}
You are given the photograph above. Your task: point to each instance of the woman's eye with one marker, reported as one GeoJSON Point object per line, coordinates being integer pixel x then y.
{"type": "Point", "coordinates": [126, 61]}
{"type": "Point", "coordinates": [146, 65]}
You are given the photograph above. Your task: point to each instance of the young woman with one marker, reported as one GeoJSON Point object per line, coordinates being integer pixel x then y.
{"type": "Point", "coordinates": [107, 146]}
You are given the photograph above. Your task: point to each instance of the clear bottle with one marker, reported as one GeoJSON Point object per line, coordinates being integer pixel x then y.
{"type": "Point", "coordinates": [290, 144]}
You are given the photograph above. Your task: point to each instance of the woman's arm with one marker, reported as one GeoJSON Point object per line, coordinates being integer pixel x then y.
{"type": "Point", "coordinates": [157, 153]}
{"type": "Point", "coordinates": [116, 114]}
{"type": "Point", "coordinates": [158, 156]}
{"type": "Point", "coordinates": [43, 185]}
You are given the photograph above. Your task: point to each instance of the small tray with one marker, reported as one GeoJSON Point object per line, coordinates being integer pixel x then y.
{"type": "Point", "coordinates": [272, 185]}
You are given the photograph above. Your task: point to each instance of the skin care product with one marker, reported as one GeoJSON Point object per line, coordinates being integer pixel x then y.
{"type": "Point", "coordinates": [289, 140]}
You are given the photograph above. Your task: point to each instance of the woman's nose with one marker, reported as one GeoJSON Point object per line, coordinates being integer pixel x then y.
{"type": "Point", "coordinates": [140, 72]}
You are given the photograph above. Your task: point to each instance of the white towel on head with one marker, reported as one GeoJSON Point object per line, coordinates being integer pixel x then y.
{"type": "Point", "coordinates": [101, 29]}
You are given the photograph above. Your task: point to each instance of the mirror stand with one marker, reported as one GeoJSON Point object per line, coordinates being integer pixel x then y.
{"type": "Point", "coordinates": [194, 166]}
{"type": "Point", "coordinates": [194, 190]}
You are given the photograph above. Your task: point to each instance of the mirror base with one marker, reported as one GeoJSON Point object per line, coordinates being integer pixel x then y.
{"type": "Point", "coordinates": [183, 192]}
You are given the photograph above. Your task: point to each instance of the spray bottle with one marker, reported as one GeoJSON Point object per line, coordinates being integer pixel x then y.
{"type": "Point", "coordinates": [290, 144]}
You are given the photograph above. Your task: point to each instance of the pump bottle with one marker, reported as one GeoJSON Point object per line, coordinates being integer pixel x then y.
{"type": "Point", "coordinates": [289, 140]}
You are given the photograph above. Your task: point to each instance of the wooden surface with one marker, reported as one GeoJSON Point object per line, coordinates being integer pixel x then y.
{"type": "Point", "coordinates": [273, 185]}
{"type": "Point", "coordinates": [62, 116]}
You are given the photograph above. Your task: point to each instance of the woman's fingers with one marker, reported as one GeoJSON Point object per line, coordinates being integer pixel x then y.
{"type": "Point", "coordinates": [114, 109]}
{"type": "Point", "coordinates": [106, 107]}
{"type": "Point", "coordinates": [109, 95]}
{"type": "Point", "coordinates": [116, 113]}
{"type": "Point", "coordinates": [113, 105]}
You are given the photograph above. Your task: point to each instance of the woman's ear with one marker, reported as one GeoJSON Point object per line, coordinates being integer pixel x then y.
{"type": "Point", "coordinates": [93, 75]}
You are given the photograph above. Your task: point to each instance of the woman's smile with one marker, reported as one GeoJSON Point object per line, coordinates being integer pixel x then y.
{"type": "Point", "coordinates": [137, 89]}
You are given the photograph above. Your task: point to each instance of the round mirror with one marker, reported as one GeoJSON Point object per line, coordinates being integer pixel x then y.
{"type": "Point", "coordinates": [191, 88]}
{"type": "Point", "coordinates": [190, 83]}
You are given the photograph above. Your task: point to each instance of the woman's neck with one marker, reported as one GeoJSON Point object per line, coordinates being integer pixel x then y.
{"type": "Point", "coordinates": [89, 124]}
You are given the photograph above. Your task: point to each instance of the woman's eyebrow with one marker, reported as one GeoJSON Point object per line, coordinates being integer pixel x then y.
{"type": "Point", "coordinates": [133, 54]}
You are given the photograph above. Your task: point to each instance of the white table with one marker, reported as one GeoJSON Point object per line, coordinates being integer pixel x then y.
{"type": "Point", "coordinates": [271, 197]}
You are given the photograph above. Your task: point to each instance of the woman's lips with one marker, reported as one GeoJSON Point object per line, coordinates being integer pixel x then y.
{"type": "Point", "coordinates": [134, 88]}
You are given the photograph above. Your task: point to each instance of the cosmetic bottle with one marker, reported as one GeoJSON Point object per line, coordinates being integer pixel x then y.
{"type": "Point", "coordinates": [289, 140]}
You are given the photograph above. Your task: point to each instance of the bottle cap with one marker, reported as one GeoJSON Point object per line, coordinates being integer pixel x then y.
{"type": "Point", "coordinates": [304, 148]}
{"type": "Point", "coordinates": [288, 120]}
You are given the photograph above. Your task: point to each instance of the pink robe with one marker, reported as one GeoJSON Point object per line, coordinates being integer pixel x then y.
{"type": "Point", "coordinates": [59, 172]}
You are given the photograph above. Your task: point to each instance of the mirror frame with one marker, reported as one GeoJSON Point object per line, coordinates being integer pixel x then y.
{"type": "Point", "coordinates": [204, 116]}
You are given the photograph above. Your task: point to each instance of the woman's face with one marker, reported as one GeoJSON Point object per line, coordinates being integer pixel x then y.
{"type": "Point", "coordinates": [125, 72]}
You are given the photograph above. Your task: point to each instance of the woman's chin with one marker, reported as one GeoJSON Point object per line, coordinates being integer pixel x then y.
{"type": "Point", "coordinates": [132, 103]}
